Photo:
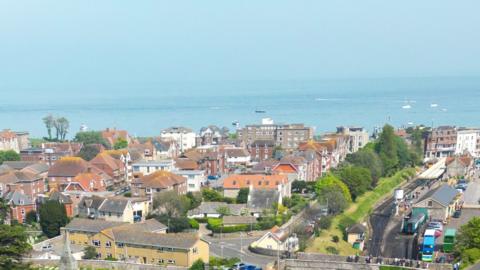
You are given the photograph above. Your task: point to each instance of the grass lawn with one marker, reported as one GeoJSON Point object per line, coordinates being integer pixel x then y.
{"type": "Point", "coordinates": [357, 212]}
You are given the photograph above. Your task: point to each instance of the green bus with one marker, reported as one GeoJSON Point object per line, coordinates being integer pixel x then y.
{"type": "Point", "coordinates": [449, 240]}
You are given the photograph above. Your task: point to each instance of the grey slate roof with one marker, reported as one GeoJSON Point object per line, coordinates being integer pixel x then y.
{"type": "Point", "coordinates": [357, 228]}
{"type": "Point", "coordinates": [211, 208]}
{"type": "Point", "coordinates": [91, 225]}
{"type": "Point", "coordinates": [37, 168]}
{"type": "Point", "coordinates": [93, 202]}
{"type": "Point", "coordinates": [259, 199]}
{"type": "Point", "coordinates": [113, 205]}
{"type": "Point", "coordinates": [18, 165]}
{"type": "Point", "coordinates": [59, 197]}
{"type": "Point", "coordinates": [444, 195]}
{"type": "Point", "coordinates": [178, 241]}
{"type": "Point", "coordinates": [149, 225]}
{"type": "Point", "coordinates": [17, 198]}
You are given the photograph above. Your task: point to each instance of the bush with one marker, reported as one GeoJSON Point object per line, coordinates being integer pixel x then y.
{"type": "Point", "coordinates": [127, 194]}
{"type": "Point", "coordinates": [335, 239]}
{"type": "Point", "coordinates": [216, 226]}
{"type": "Point", "coordinates": [202, 220]}
{"type": "Point", "coordinates": [265, 223]}
{"type": "Point", "coordinates": [470, 256]}
{"type": "Point", "coordinates": [89, 253]}
{"type": "Point", "coordinates": [332, 250]}
{"type": "Point", "coordinates": [194, 224]}
{"type": "Point", "coordinates": [197, 265]}
{"type": "Point", "coordinates": [227, 262]}
{"type": "Point", "coordinates": [325, 222]}
{"type": "Point", "coordinates": [31, 217]}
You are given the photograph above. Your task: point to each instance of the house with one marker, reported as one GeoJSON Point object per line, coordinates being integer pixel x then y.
{"type": "Point", "coordinates": [185, 163]}
{"type": "Point", "coordinates": [65, 170]}
{"type": "Point", "coordinates": [210, 210]}
{"type": "Point", "coordinates": [438, 204]}
{"type": "Point", "coordinates": [9, 141]}
{"type": "Point", "coordinates": [89, 205]}
{"type": "Point", "coordinates": [233, 183]}
{"type": "Point", "coordinates": [459, 166]}
{"type": "Point", "coordinates": [261, 149]}
{"type": "Point", "coordinates": [468, 141]}
{"type": "Point", "coordinates": [276, 241]}
{"type": "Point", "coordinates": [260, 200]}
{"type": "Point", "coordinates": [212, 135]}
{"type": "Point", "coordinates": [145, 167]}
{"type": "Point", "coordinates": [113, 167]}
{"type": "Point", "coordinates": [119, 209]}
{"type": "Point", "coordinates": [318, 156]}
{"type": "Point", "coordinates": [184, 137]}
{"type": "Point", "coordinates": [50, 152]}
{"type": "Point", "coordinates": [112, 135]}
{"type": "Point", "coordinates": [19, 204]}
{"type": "Point", "coordinates": [237, 156]}
{"type": "Point", "coordinates": [149, 185]}
{"type": "Point", "coordinates": [147, 150]}
{"type": "Point", "coordinates": [441, 142]}
{"type": "Point", "coordinates": [165, 149]}
{"type": "Point", "coordinates": [138, 243]}
{"type": "Point", "coordinates": [91, 182]}
{"type": "Point", "coordinates": [196, 179]}
{"type": "Point", "coordinates": [358, 137]}
{"type": "Point", "coordinates": [356, 236]}
{"type": "Point", "coordinates": [29, 184]}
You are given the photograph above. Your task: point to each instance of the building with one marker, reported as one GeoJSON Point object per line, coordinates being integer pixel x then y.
{"type": "Point", "coordinates": [149, 185]}
{"type": "Point", "coordinates": [261, 149]}
{"type": "Point", "coordinates": [468, 141]}
{"type": "Point", "coordinates": [459, 166]}
{"type": "Point", "coordinates": [441, 142]}
{"type": "Point", "coordinates": [143, 242]}
{"type": "Point", "coordinates": [196, 179]}
{"type": "Point", "coordinates": [358, 137]}
{"type": "Point", "coordinates": [356, 236]}
{"type": "Point", "coordinates": [233, 183]}
{"type": "Point", "coordinates": [118, 209]}
{"type": "Point", "coordinates": [23, 139]}
{"type": "Point", "coordinates": [91, 182]}
{"type": "Point", "coordinates": [235, 157]}
{"type": "Point", "coordinates": [165, 149]}
{"type": "Point", "coordinates": [438, 204]}
{"type": "Point", "coordinates": [276, 241]}
{"type": "Point", "coordinates": [287, 136]}
{"type": "Point", "coordinates": [260, 200]}
{"type": "Point", "coordinates": [65, 200]}
{"type": "Point", "coordinates": [50, 152]}
{"type": "Point", "coordinates": [9, 141]}
{"type": "Point", "coordinates": [212, 135]}
{"type": "Point", "coordinates": [112, 135]}
{"type": "Point", "coordinates": [145, 167]}
{"type": "Point", "coordinates": [210, 210]}
{"type": "Point", "coordinates": [19, 204]}
{"type": "Point", "coordinates": [113, 167]}
{"type": "Point", "coordinates": [185, 138]}
{"type": "Point", "coordinates": [29, 184]}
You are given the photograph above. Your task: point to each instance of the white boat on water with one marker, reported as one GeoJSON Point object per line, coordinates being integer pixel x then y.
{"type": "Point", "coordinates": [433, 105]}
{"type": "Point", "coordinates": [406, 106]}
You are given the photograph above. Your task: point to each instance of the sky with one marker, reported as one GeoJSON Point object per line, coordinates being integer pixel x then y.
{"type": "Point", "coordinates": [59, 46]}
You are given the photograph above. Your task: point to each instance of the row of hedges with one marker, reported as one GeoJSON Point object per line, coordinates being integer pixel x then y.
{"type": "Point", "coordinates": [216, 225]}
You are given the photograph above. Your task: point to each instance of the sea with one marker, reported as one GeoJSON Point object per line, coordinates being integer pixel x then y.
{"type": "Point", "coordinates": [146, 109]}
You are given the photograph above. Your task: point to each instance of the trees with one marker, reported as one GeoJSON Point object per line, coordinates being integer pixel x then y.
{"type": "Point", "coordinates": [120, 144]}
{"type": "Point", "coordinates": [52, 217]}
{"type": "Point", "coordinates": [367, 158]}
{"type": "Point", "coordinates": [210, 195]}
{"type": "Point", "coordinates": [357, 179]}
{"type": "Point", "coordinates": [170, 203]}
{"type": "Point", "coordinates": [4, 210]}
{"type": "Point", "coordinates": [468, 241]}
{"type": "Point", "coordinates": [197, 265]}
{"type": "Point", "coordinates": [31, 217]}
{"type": "Point", "coordinates": [386, 147]}
{"type": "Point", "coordinates": [13, 245]}
{"type": "Point", "coordinates": [242, 196]}
{"type": "Point", "coordinates": [49, 120]}
{"type": "Point", "coordinates": [91, 137]}
{"type": "Point", "coordinates": [223, 210]}
{"type": "Point", "coordinates": [89, 253]}
{"type": "Point", "coordinates": [333, 192]}
{"type": "Point", "coordinates": [88, 152]}
{"type": "Point", "coordinates": [195, 199]}
{"type": "Point", "coordinates": [175, 224]}
{"type": "Point", "coordinates": [299, 186]}
{"type": "Point", "coordinates": [60, 124]}
{"type": "Point", "coordinates": [9, 155]}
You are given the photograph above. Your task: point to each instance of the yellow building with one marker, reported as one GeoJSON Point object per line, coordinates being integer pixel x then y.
{"type": "Point", "coordinates": [144, 242]}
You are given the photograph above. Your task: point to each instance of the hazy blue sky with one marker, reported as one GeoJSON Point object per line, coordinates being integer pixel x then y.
{"type": "Point", "coordinates": [60, 45]}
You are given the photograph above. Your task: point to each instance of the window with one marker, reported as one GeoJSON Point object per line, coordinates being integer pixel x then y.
{"type": "Point", "coordinates": [267, 183]}
{"type": "Point", "coordinates": [171, 261]}
{"type": "Point", "coordinates": [259, 183]}
{"type": "Point", "coordinates": [430, 203]}
{"type": "Point", "coordinates": [160, 261]}
{"type": "Point", "coordinates": [120, 245]}
{"type": "Point", "coordinates": [234, 182]}
{"type": "Point", "coordinates": [195, 250]}
{"type": "Point", "coordinates": [108, 244]}
{"type": "Point", "coordinates": [96, 243]}
{"type": "Point", "coordinates": [248, 182]}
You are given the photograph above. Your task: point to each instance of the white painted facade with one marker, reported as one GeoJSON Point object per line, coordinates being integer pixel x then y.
{"type": "Point", "coordinates": [467, 142]}
{"type": "Point", "coordinates": [150, 166]}
{"type": "Point", "coordinates": [185, 138]}
{"type": "Point", "coordinates": [195, 179]}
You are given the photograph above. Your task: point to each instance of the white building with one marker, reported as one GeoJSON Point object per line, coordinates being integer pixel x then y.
{"type": "Point", "coordinates": [468, 141]}
{"type": "Point", "coordinates": [184, 137]}
{"type": "Point", "coordinates": [358, 137]}
{"type": "Point", "coordinates": [146, 167]}
{"type": "Point", "coordinates": [195, 179]}
{"type": "Point", "coordinates": [9, 141]}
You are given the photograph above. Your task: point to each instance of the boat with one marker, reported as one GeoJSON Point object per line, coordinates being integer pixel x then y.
{"type": "Point", "coordinates": [235, 123]}
{"type": "Point", "coordinates": [407, 106]}
{"type": "Point", "coordinates": [433, 105]}
{"type": "Point", "coordinates": [260, 111]}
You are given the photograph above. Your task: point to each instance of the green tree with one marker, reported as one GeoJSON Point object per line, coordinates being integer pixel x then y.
{"type": "Point", "coordinates": [52, 217]}
{"type": "Point", "coordinates": [88, 152]}
{"type": "Point", "coordinates": [467, 246]}
{"type": "Point", "coordinates": [4, 210]}
{"type": "Point", "coordinates": [89, 253]}
{"type": "Point", "coordinates": [13, 245]}
{"type": "Point", "coordinates": [175, 224]}
{"type": "Point", "coordinates": [386, 147]}
{"type": "Point", "coordinates": [242, 196]}
{"type": "Point", "coordinates": [31, 217]}
{"type": "Point", "coordinates": [195, 199]}
{"type": "Point", "coordinates": [223, 210]}
{"type": "Point", "coordinates": [91, 137]}
{"type": "Point", "coordinates": [357, 179]}
{"type": "Point", "coordinates": [120, 144]}
{"type": "Point", "coordinates": [333, 192]}
{"type": "Point", "coordinates": [210, 195]}
{"type": "Point", "coordinates": [299, 186]}
{"type": "Point", "coordinates": [61, 125]}
{"type": "Point", "coordinates": [170, 203]}
{"type": "Point", "coordinates": [197, 265]}
{"type": "Point", "coordinates": [9, 155]}
{"type": "Point", "coordinates": [367, 158]}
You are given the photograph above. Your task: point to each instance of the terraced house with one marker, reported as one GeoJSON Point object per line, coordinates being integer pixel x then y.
{"type": "Point", "coordinates": [145, 242]}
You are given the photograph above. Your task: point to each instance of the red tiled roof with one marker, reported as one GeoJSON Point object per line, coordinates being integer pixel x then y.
{"type": "Point", "coordinates": [186, 164]}
{"type": "Point", "coordinates": [68, 167]}
{"type": "Point", "coordinates": [160, 179]}
{"type": "Point", "coordinates": [236, 181]}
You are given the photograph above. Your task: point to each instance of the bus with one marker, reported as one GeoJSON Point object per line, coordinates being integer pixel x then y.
{"type": "Point", "coordinates": [449, 240]}
{"type": "Point", "coordinates": [428, 245]}
{"type": "Point", "coordinates": [414, 223]}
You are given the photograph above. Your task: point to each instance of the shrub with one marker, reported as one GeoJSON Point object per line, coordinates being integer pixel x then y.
{"type": "Point", "coordinates": [332, 250]}
{"type": "Point", "coordinates": [197, 265]}
{"type": "Point", "coordinates": [335, 239]}
{"type": "Point", "coordinates": [470, 256]}
{"type": "Point", "coordinates": [89, 253]}
{"type": "Point", "coordinates": [194, 224]}
{"type": "Point", "coordinates": [201, 220]}
{"type": "Point", "coordinates": [325, 222]}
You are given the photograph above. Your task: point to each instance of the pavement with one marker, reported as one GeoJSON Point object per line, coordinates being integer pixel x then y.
{"type": "Point", "coordinates": [472, 194]}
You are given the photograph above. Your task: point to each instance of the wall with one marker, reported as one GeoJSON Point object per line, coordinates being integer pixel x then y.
{"type": "Point", "coordinates": [106, 265]}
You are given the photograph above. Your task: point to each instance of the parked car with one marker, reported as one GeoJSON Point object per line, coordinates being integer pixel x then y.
{"type": "Point", "coordinates": [437, 226]}
{"type": "Point", "coordinates": [47, 247]}
{"type": "Point", "coordinates": [457, 213]}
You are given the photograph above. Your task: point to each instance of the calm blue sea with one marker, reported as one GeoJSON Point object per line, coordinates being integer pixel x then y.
{"type": "Point", "coordinates": [145, 109]}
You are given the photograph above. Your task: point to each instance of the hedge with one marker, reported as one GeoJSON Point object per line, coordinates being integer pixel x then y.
{"type": "Point", "coordinates": [194, 224]}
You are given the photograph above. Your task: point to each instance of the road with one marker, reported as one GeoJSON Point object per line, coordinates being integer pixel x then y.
{"type": "Point", "coordinates": [238, 247]}
{"type": "Point", "coordinates": [472, 194]}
